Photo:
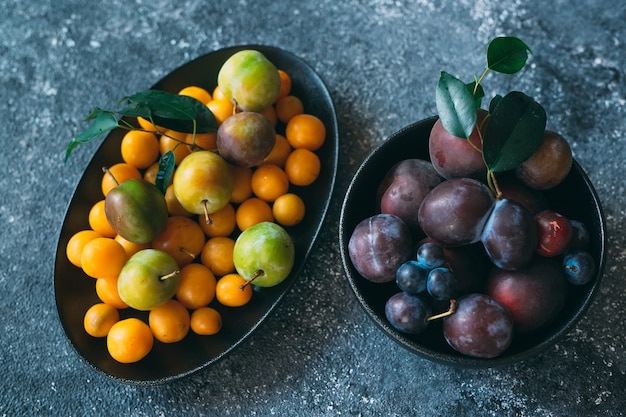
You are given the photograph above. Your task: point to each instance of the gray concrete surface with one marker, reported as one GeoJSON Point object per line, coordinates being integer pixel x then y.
{"type": "Point", "coordinates": [317, 354]}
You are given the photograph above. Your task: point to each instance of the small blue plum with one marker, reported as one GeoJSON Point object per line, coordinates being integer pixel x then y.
{"type": "Point", "coordinates": [441, 284]}
{"type": "Point", "coordinates": [411, 277]}
{"type": "Point", "coordinates": [407, 313]}
{"type": "Point", "coordinates": [579, 267]}
{"type": "Point", "coordinates": [431, 255]}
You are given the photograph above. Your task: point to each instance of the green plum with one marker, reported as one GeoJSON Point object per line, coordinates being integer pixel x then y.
{"type": "Point", "coordinates": [249, 79]}
{"type": "Point", "coordinates": [264, 254]}
{"type": "Point", "coordinates": [245, 139]}
{"type": "Point", "coordinates": [136, 210]}
{"type": "Point", "coordinates": [148, 279]}
{"type": "Point", "coordinates": [203, 182]}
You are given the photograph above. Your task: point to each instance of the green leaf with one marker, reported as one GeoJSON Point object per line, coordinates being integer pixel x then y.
{"type": "Point", "coordinates": [455, 105]}
{"type": "Point", "coordinates": [507, 55]}
{"type": "Point", "coordinates": [171, 111]}
{"type": "Point", "coordinates": [478, 92]}
{"type": "Point", "coordinates": [514, 132]}
{"type": "Point", "coordinates": [102, 122]}
{"type": "Point", "coordinates": [494, 103]}
{"type": "Point", "coordinates": [167, 163]}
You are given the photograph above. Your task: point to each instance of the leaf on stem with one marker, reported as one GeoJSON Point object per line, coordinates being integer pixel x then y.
{"type": "Point", "coordinates": [102, 122]}
{"type": "Point", "coordinates": [171, 111]}
{"type": "Point", "coordinates": [514, 132]}
{"type": "Point", "coordinates": [455, 105]}
{"type": "Point", "coordinates": [507, 54]}
{"type": "Point", "coordinates": [477, 91]}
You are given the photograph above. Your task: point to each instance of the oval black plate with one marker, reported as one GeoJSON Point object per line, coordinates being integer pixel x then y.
{"type": "Point", "coordinates": [75, 293]}
{"type": "Point", "coordinates": [575, 197]}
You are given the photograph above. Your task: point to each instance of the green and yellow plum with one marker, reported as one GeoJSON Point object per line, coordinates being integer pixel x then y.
{"type": "Point", "coordinates": [148, 279]}
{"type": "Point", "coordinates": [250, 80]}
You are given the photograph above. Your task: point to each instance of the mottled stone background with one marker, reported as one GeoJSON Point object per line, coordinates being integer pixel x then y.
{"type": "Point", "coordinates": [317, 354]}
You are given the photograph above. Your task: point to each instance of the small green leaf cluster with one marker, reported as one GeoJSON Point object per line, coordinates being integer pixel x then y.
{"type": "Point", "coordinates": [516, 121]}
{"type": "Point", "coordinates": [167, 110]}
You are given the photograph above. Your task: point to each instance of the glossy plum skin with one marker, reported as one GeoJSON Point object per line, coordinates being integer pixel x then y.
{"type": "Point", "coordinates": [411, 277]}
{"type": "Point", "coordinates": [379, 245]}
{"type": "Point", "coordinates": [404, 187]}
{"type": "Point", "coordinates": [136, 210]}
{"type": "Point", "coordinates": [141, 284]}
{"type": "Point", "coordinates": [245, 139]}
{"type": "Point", "coordinates": [579, 267]}
{"type": "Point", "coordinates": [407, 313]}
{"type": "Point", "coordinates": [441, 284]}
{"type": "Point", "coordinates": [249, 79]}
{"type": "Point", "coordinates": [549, 165]}
{"type": "Point", "coordinates": [480, 327]}
{"type": "Point", "coordinates": [454, 157]}
{"type": "Point", "coordinates": [203, 182]}
{"type": "Point", "coordinates": [264, 254]}
{"type": "Point", "coordinates": [430, 255]}
{"type": "Point", "coordinates": [554, 233]}
{"type": "Point", "coordinates": [534, 295]}
{"type": "Point", "coordinates": [509, 235]}
{"type": "Point", "coordinates": [455, 211]}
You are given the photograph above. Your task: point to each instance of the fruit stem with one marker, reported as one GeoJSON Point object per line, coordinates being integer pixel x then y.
{"type": "Point", "coordinates": [258, 273]}
{"type": "Point", "coordinates": [185, 251]}
{"type": "Point", "coordinates": [492, 181]}
{"type": "Point", "coordinates": [496, 186]}
{"type": "Point", "coordinates": [170, 275]}
{"type": "Point", "coordinates": [447, 313]}
{"type": "Point", "coordinates": [106, 171]}
{"type": "Point", "coordinates": [207, 217]}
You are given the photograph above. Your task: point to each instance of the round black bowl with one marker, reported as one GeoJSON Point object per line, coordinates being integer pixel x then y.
{"type": "Point", "coordinates": [75, 292]}
{"type": "Point", "coordinates": [575, 197]}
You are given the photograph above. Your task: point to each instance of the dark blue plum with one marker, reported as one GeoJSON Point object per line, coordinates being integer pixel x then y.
{"type": "Point", "coordinates": [455, 211]}
{"type": "Point", "coordinates": [480, 327]}
{"type": "Point", "coordinates": [407, 313]}
{"type": "Point", "coordinates": [379, 245]}
{"type": "Point", "coordinates": [579, 267]}
{"type": "Point", "coordinates": [510, 235]}
{"type": "Point", "coordinates": [441, 284]}
{"type": "Point", "coordinates": [580, 235]}
{"type": "Point", "coordinates": [431, 255]}
{"type": "Point", "coordinates": [411, 277]}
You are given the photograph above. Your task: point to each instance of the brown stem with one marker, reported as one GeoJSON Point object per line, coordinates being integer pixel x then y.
{"type": "Point", "coordinates": [447, 313]}
{"type": "Point", "coordinates": [258, 273]}
{"type": "Point", "coordinates": [170, 275]}
{"type": "Point", "coordinates": [207, 217]}
{"type": "Point", "coordinates": [494, 181]}
{"type": "Point", "coordinates": [185, 251]}
{"type": "Point", "coordinates": [107, 171]}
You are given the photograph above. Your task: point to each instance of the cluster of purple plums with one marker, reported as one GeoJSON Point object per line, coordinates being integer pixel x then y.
{"type": "Point", "coordinates": [491, 261]}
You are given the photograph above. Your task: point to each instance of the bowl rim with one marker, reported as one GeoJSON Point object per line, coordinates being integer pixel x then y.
{"type": "Point", "coordinates": [459, 360]}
